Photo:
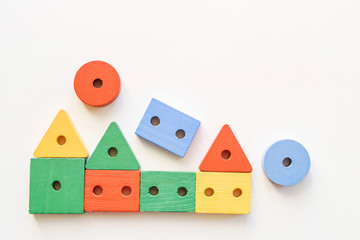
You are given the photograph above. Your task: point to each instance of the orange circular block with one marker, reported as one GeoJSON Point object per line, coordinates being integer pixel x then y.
{"type": "Point", "coordinates": [97, 83]}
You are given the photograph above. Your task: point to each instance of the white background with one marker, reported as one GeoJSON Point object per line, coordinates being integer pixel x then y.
{"type": "Point", "coordinates": [271, 69]}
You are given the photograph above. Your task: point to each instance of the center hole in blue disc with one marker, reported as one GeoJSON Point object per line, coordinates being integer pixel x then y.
{"type": "Point", "coordinates": [287, 162]}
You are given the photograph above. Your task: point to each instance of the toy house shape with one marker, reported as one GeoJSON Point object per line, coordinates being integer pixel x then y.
{"type": "Point", "coordinates": [61, 140]}
{"type": "Point", "coordinates": [225, 154]}
{"type": "Point", "coordinates": [224, 183]}
{"type": "Point", "coordinates": [112, 176]}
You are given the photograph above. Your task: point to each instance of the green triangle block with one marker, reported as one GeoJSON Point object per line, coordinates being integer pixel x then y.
{"type": "Point", "coordinates": [113, 152]}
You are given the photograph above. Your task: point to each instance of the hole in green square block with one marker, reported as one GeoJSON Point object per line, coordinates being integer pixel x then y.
{"type": "Point", "coordinates": [56, 185]}
{"type": "Point", "coordinates": [182, 192]}
{"type": "Point", "coordinates": [153, 191]}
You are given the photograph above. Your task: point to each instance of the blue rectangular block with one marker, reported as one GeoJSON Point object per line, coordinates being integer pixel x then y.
{"type": "Point", "coordinates": [167, 127]}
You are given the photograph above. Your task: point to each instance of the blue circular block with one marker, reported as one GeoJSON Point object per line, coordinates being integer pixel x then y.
{"type": "Point", "coordinates": [286, 162]}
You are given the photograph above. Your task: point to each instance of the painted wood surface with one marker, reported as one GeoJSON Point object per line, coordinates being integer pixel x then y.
{"type": "Point", "coordinates": [113, 152]}
{"type": "Point", "coordinates": [167, 191]}
{"type": "Point", "coordinates": [172, 130]}
{"type": "Point", "coordinates": [61, 140]}
{"type": "Point", "coordinates": [97, 83]}
{"type": "Point", "coordinates": [218, 192]}
{"type": "Point", "coordinates": [225, 154]}
{"type": "Point", "coordinates": [112, 191]}
{"type": "Point", "coordinates": [56, 185]}
{"type": "Point", "coordinates": [286, 162]}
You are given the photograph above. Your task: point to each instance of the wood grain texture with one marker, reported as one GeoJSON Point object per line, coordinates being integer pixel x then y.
{"type": "Point", "coordinates": [102, 159]}
{"type": "Point", "coordinates": [235, 161]}
{"type": "Point", "coordinates": [224, 185]}
{"type": "Point", "coordinates": [67, 198]}
{"type": "Point", "coordinates": [100, 95]}
{"type": "Point", "coordinates": [112, 197]}
{"type": "Point", "coordinates": [61, 140]}
{"type": "Point", "coordinates": [164, 134]}
{"type": "Point", "coordinates": [167, 199]}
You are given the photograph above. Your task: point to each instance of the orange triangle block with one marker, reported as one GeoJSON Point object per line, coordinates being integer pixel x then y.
{"type": "Point", "coordinates": [225, 154]}
{"type": "Point", "coordinates": [61, 140]}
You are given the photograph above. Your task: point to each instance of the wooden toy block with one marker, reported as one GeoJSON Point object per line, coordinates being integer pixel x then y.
{"type": "Point", "coordinates": [57, 185]}
{"type": "Point", "coordinates": [223, 192]}
{"type": "Point", "coordinates": [167, 191]}
{"type": "Point", "coordinates": [97, 83]}
{"type": "Point", "coordinates": [286, 162]}
{"type": "Point", "coordinates": [225, 154]}
{"type": "Point", "coordinates": [112, 191]}
{"type": "Point", "coordinates": [113, 152]}
{"type": "Point", "coordinates": [61, 140]}
{"type": "Point", "coordinates": [167, 127]}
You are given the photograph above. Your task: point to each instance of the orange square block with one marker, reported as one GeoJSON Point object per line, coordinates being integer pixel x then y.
{"type": "Point", "coordinates": [112, 191]}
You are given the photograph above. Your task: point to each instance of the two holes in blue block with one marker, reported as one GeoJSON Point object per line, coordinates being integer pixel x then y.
{"type": "Point", "coordinates": [209, 192]}
{"type": "Point", "coordinates": [126, 191]}
{"type": "Point", "coordinates": [155, 121]}
{"type": "Point", "coordinates": [181, 191]}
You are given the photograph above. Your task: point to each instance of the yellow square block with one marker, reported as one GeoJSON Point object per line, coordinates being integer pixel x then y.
{"type": "Point", "coordinates": [218, 192]}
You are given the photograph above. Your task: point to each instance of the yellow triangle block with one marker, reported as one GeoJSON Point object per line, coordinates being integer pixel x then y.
{"type": "Point", "coordinates": [61, 140]}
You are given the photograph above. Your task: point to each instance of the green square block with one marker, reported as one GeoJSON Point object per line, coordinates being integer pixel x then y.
{"type": "Point", "coordinates": [167, 191]}
{"type": "Point", "coordinates": [47, 195]}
